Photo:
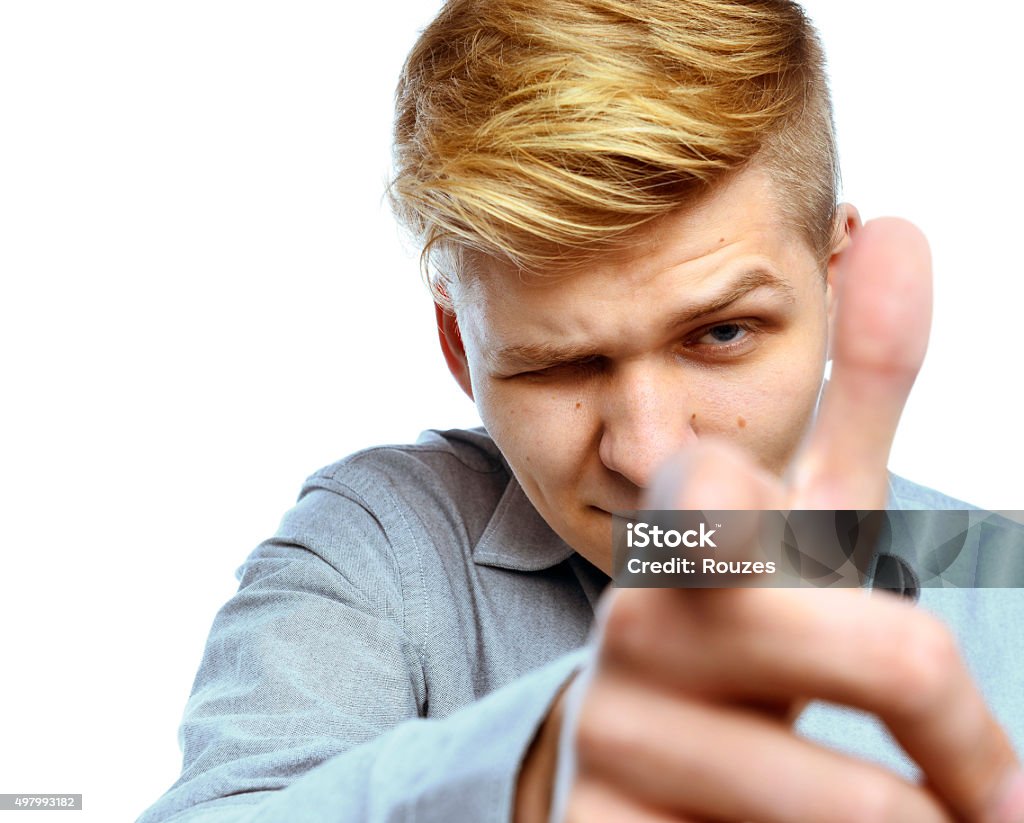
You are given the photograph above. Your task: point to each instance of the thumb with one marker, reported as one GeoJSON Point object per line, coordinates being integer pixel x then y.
{"type": "Point", "coordinates": [881, 334]}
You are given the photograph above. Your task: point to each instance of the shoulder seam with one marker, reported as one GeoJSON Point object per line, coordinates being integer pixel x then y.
{"type": "Point", "coordinates": [330, 471]}
{"type": "Point", "coordinates": [344, 490]}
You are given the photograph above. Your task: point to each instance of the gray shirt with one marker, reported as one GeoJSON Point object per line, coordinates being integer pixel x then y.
{"type": "Point", "coordinates": [392, 650]}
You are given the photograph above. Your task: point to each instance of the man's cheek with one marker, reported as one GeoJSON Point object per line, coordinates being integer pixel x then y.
{"type": "Point", "coordinates": [522, 427]}
{"type": "Point", "coordinates": [777, 432]}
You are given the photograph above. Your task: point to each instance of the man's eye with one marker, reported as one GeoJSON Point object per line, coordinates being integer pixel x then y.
{"type": "Point", "coordinates": [572, 369]}
{"type": "Point", "coordinates": [723, 334]}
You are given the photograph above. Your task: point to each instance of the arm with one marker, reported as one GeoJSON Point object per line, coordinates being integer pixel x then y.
{"type": "Point", "coordinates": [310, 698]}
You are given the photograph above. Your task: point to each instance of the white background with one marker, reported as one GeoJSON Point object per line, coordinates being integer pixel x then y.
{"type": "Point", "coordinates": [204, 300]}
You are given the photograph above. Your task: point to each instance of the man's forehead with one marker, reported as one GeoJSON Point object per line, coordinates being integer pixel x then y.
{"type": "Point", "coordinates": [741, 209]}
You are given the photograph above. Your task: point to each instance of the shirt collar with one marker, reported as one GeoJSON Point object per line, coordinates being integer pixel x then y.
{"type": "Point", "coordinates": [517, 537]}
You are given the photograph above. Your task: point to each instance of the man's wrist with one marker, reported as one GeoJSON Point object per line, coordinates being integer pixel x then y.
{"type": "Point", "coordinates": [535, 784]}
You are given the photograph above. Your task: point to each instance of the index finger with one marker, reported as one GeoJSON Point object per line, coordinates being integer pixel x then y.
{"type": "Point", "coordinates": [884, 297]}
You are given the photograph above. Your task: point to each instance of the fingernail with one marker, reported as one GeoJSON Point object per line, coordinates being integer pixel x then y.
{"type": "Point", "coordinates": [1011, 804]}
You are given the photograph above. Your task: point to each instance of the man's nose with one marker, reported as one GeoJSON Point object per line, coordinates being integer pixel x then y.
{"type": "Point", "coordinates": [646, 417]}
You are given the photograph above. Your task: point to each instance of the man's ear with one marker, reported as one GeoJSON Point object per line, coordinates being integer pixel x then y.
{"type": "Point", "coordinates": [451, 346]}
{"type": "Point", "coordinates": [847, 225]}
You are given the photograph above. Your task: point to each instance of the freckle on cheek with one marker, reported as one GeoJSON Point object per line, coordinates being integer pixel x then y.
{"type": "Point", "coordinates": [693, 417]}
{"type": "Point", "coordinates": [578, 405]}
{"type": "Point", "coordinates": [741, 422]}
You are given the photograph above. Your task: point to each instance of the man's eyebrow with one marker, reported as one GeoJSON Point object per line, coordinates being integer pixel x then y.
{"type": "Point", "coordinates": [540, 355]}
{"type": "Point", "coordinates": [748, 281]}
{"type": "Point", "coordinates": [547, 355]}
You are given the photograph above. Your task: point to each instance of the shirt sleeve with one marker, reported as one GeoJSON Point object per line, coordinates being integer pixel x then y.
{"type": "Point", "coordinates": [309, 702]}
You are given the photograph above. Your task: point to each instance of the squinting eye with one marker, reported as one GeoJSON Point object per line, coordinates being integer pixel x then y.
{"type": "Point", "coordinates": [723, 333]}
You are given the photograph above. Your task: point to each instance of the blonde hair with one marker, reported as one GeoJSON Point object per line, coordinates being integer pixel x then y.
{"type": "Point", "coordinates": [544, 132]}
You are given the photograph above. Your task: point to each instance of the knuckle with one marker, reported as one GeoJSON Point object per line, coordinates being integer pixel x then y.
{"type": "Point", "coordinates": [585, 804]}
{"type": "Point", "coordinates": [925, 662]}
{"type": "Point", "coordinates": [600, 734]}
{"type": "Point", "coordinates": [626, 629]}
{"type": "Point", "coordinates": [877, 800]}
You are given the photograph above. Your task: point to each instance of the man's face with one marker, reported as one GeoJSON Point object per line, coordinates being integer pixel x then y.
{"type": "Point", "coordinates": [714, 324]}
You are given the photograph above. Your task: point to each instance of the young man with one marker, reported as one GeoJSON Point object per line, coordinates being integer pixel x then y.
{"type": "Point", "coordinates": [629, 219]}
